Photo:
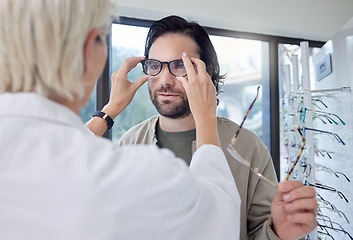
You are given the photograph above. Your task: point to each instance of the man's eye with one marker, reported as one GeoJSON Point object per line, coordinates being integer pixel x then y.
{"type": "Point", "coordinates": [179, 66]}
{"type": "Point", "coordinates": [153, 67]}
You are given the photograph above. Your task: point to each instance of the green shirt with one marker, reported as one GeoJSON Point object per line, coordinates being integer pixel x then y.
{"type": "Point", "coordinates": [178, 142]}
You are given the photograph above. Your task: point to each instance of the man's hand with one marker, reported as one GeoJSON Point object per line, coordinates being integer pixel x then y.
{"type": "Point", "coordinates": [293, 210]}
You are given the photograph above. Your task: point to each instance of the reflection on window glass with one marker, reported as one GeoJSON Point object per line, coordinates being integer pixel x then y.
{"type": "Point", "coordinates": [87, 111]}
{"type": "Point", "coordinates": [240, 60]}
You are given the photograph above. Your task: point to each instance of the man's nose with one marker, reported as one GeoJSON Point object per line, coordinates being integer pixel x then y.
{"type": "Point", "coordinates": [166, 77]}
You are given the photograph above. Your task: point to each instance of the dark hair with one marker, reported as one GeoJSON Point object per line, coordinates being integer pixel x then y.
{"type": "Point", "coordinates": [175, 24]}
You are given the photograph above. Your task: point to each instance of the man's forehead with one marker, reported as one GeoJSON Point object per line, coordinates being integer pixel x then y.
{"type": "Point", "coordinates": [172, 45]}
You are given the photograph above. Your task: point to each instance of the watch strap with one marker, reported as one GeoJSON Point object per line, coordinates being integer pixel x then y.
{"type": "Point", "coordinates": [105, 116]}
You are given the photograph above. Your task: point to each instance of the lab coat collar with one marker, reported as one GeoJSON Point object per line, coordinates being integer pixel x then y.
{"type": "Point", "coordinates": [33, 106]}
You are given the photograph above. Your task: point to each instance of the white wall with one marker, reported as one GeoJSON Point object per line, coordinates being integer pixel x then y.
{"type": "Point", "coordinates": [308, 19]}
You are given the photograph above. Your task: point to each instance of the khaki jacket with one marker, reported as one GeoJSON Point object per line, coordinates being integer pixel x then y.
{"type": "Point", "coordinates": [256, 195]}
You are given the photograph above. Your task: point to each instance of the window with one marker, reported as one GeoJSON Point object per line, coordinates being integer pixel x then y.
{"type": "Point", "coordinates": [243, 63]}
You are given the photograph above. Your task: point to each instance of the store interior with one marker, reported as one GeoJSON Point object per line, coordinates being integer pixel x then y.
{"type": "Point", "coordinates": [306, 86]}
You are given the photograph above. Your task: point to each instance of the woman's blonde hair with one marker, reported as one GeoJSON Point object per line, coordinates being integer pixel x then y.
{"type": "Point", "coordinates": [42, 41]}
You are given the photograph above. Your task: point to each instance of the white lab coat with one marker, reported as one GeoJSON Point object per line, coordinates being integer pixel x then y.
{"type": "Point", "coordinates": [59, 181]}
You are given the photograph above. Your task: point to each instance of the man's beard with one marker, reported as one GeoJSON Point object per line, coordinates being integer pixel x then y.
{"type": "Point", "coordinates": [167, 108]}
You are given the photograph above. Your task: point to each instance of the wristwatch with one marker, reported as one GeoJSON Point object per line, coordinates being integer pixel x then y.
{"type": "Point", "coordinates": [105, 116]}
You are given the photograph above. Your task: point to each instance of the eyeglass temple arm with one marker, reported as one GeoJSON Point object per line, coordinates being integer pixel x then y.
{"type": "Point", "coordinates": [327, 113]}
{"type": "Point", "coordinates": [299, 155]}
{"type": "Point", "coordinates": [335, 135]}
{"type": "Point", "coordinates": [256, 172]}
{"type": "Point", "coordinates": [246, 115]}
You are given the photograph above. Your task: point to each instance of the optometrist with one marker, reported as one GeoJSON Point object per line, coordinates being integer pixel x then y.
{"type": "Point", "coordinates": [59, 181]}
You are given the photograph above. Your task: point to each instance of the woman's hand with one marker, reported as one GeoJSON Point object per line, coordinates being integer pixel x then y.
{"type": "Point", "coordinates": [293, 210]}
{"type": "Point", "coordinates": [122, 93]}
{"type": "Point", "coordinates": [202, 99]}
{"type": "Point", "coordinates": [199, 88]}
{"type": "Point", "coordinates": [123, 90]}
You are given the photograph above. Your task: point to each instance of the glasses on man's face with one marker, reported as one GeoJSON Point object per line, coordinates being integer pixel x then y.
{"type": "Point", "coordinates": [234, 153]}
{"type": "Point", "coordinates": [153, 67]}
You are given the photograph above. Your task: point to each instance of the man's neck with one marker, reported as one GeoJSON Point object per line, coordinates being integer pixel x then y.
{"type": "Point", "coordinates": [177, 125]}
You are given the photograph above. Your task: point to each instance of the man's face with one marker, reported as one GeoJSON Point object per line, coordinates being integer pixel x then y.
{"type": "Point", "coordinates": [166, 91]}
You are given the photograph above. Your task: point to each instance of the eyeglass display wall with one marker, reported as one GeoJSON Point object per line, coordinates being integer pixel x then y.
{"type": "Point", "coordinates": [316, 127]}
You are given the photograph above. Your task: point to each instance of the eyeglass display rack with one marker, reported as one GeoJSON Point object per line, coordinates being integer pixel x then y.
{"type": "Point", "coordinates": [316, 94]}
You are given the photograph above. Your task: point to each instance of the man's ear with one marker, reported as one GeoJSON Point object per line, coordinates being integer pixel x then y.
{"type": "Point", "coordinates": [89, 48]}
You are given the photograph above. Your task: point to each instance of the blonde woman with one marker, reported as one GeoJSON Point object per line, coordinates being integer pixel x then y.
{"type": "Point", "coordinates": [60, 181]}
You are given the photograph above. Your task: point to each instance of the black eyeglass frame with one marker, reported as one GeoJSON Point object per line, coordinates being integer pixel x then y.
{"type": "Point", "coordinates": [143, 62]}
